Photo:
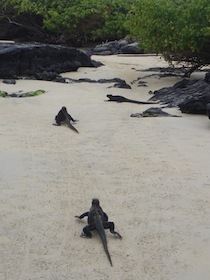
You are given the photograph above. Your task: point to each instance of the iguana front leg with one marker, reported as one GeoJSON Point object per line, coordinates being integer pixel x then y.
{"type": "Point", "coordinates": [82, 216]}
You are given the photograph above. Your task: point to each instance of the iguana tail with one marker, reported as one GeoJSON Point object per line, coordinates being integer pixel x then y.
{"type": "Point", "coordinates": [68, 121]}
{"type": "Point", "coordinates": [102, 234]}
{"type": "Point", "coordinates": [71, 126]}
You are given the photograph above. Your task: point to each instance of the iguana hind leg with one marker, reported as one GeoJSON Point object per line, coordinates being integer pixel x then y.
{"type": "Point", "coordinates": [110, 226]}
{"type": "Point", "coordinates": [87, 231]}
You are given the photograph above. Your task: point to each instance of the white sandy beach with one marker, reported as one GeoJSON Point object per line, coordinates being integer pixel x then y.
{"type": "Point", "coordinates": [151, 175]}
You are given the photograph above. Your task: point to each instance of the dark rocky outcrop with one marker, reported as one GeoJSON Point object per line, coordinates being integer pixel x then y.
{"type": "Point", "coordinates": [9, 81]}
{"type": "Point", "coordinates": [40, 61]}
{"type": "Point", "coordinates": [124, 46]}
{"type": "Point", "coordinates": [46, 76]}
{"type": "Point", "coordinates": [208, 110]}
{"type": "Point", "coordinates": [119, 83]}
{"type": "Point", "coordinates": [153, 112]}
{"type": "Point", "coordinates": [207, 77]}
{"type": "Point", "coordinates": [86, 80]}
{"type": "Point", "coordinates": [190, 95]}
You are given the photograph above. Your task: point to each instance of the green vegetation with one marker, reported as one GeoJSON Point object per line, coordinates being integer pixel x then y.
{"type": "Point", "coordinates": [22, 94]}
{"type": "Point", "coordinates": [33, 93]}
{"type": "Point", "coordinates": [75, 20]}
{"type": "Point", "coordinates": [180, 29]}
{"type": "Point", "coordinates": [3, 93]}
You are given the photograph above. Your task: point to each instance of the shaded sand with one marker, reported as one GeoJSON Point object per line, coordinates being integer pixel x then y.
{"type": "Point", "coordinates": [151, 176]}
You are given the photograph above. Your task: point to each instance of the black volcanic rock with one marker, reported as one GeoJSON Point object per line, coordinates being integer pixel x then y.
{"type": "Point", "coordinates": [9, 82]}
{"type": "Point", "coordinates": [29, 60]}
{"type": "Point", "coordinates": [132, 48]}
{"type": "Point", "coordinates": [153, 112]}
{"type": "Point", "coordinates": [124, 46]}
{"type": "Point", "coordinates": [121, 84]}
{"type": "Point", "coordinates": [190, 95]}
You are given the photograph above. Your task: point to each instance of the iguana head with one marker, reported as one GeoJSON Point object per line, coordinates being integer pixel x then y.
{"type": "Point", "coordinates": [95, 202]}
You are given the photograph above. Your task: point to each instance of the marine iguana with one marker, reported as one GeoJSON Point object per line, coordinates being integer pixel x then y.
{"type": "Point", "coordinates": [64, 116]}
{"type": "Point", "coordinates": [120, 99]}
{"type": "Point", "coordinates": [98, 220]}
